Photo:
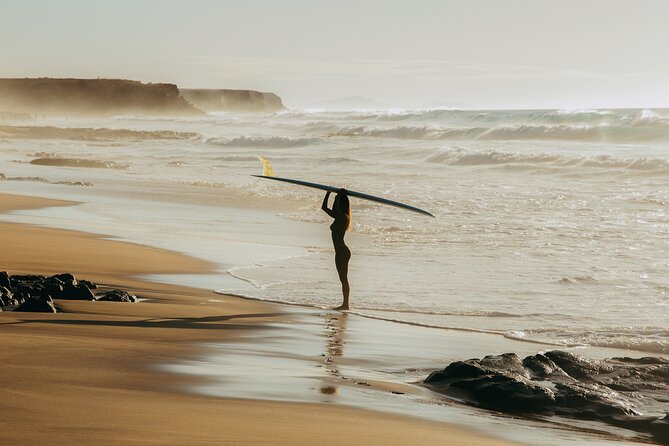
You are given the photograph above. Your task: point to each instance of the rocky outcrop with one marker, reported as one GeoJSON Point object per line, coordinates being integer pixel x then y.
{"type": "Point", "coordinates": [213, 100]}
{"type": "Point", "coordinates": [36, 293]}
{"type": "Point", "coordinates": [91, 97]}
{"type": "Point", "coordinates": [614, 391]}
{"type": "Point", "coordinates": [35, 305]}
{"type": "Point", "coordinates": [117, 296]}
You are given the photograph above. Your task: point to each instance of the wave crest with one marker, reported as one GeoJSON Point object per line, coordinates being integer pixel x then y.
{"type": "Point", "coordinates": [561, 132]}
{"type": "Point", "coordinates": [457, 156]}
{"type": "Point", "coordinates": [263, 141]}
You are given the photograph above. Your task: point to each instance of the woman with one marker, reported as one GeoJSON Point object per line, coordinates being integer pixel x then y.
{"type": "Point", "coordinates": [341, 212]}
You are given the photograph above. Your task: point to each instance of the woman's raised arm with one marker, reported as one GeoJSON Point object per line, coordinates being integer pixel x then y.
{"type": "Point", "coordinates": [324, 206]}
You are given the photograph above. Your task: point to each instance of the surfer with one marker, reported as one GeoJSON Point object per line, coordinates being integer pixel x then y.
{"type": "Point", "coordinates": [341, 212]}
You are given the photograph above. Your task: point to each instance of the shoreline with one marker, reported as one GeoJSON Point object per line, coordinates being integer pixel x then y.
{"type": "Point", "coordinates": [100, 358]}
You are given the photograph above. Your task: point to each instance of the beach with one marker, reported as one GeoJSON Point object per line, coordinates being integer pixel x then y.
{"type": "Point", "coordinates": [87, 375]}
{"type": "Point", "coordinates": [548, 237]}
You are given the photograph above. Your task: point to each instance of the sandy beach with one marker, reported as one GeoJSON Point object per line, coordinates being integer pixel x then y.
{"type": "Point", "coordinates": [87, 375]}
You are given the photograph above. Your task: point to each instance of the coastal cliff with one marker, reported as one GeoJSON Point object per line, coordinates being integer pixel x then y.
{"type": "Point", "coordinates": [211, 100]}
{"type": "Point", "coordinates": [98, 97]}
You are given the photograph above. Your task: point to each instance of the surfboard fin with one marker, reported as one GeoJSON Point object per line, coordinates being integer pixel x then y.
{"type": "Point", "coordinates": [267, 170]}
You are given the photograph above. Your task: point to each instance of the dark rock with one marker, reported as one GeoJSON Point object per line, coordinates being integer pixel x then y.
{"type": "Point", "coordinates": [37, 305]}
{"type": "Point", "coordinates": [4, 279]}
{"type": "Point", "coordinates": [564, 384]}
{"type": "Point", "coordinates": [53, 290]}
{"type": "Point", "coordinates": [63, 279]}
{"type": "Point", "coordinates": [541, 367]}
{"type": "Point", "coordinates": [117, 296]}
{"type": "Point", "coordinates": [5, 292]}
{"type": "Point", "coordinates": [577, 367]}
{"type": "Point", "coordinates": [78, 292]}
{"type": "Point", "coordinates": [28, 278]}
{"type": "Point", "coordinates": [20, 297]}
{"type": "Point", "coordinates": [89, 284]}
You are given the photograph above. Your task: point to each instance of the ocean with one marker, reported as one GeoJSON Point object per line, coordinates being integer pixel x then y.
{"type": "Point", "coordinates": [550, 227]}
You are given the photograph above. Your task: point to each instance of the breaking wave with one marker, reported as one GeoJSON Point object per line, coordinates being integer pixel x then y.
{"type": "Point", "coordinates": [89, 134]}
{"type": "Point", "coordinates": [563, 132]}
{"type": "Point", "coordinates": [77, 162]}
{"type": "Point", "coordinates": [642, 339]}
{"type": "Point", "coordinates": [457, 156]}
{"type": "Point", "coordinates": [263, 141]}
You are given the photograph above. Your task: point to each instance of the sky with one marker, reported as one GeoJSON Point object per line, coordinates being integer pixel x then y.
{"type": "Point", "coordinates": [468, 53]}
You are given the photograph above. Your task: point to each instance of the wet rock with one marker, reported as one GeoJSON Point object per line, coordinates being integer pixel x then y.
{"type": "Point", "coordinates": [89, 284]}
{"type": "Point", "coordinates": [77, 292]}
{"type": "Point", "coordinates": [63, 279]}
{"type": "Point", "coordinates": [5, 292]}
{"type": "Point", "coordinates": [615, 391]}
{"type": "Point", "coordinates": [117, 296]}
{"type": "Point", "coordinates": [25, 279]}
{"type": "Point", "coordinates": [4, 279]}
{"type": "Point", "coordinates": [37, 305]}
{"type": "Point", "coordinates": [577, 367]}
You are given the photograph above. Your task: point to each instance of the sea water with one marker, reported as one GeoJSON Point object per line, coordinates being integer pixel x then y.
{"type": "Point", "coordinates": [551, 225]}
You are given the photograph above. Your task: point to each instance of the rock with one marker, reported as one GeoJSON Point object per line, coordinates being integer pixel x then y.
{"type": "Point", "coordinates": [5, 292]}
{"type": "Point", "coordinates": [4, 279]}
{"type": "Point", "coordinates": [577, 367]}
{"type": "Point", "coordinates": [564, 384]}
{"type": "Point", "coordinates": [20, 297]}
{"type": "Point", "coordinates": [77, 292]}
{"type": "Point", "coordinates": [37, 305]}
{"type": "Point", "coordinates": [117, 296]}
{"type": "Point", "coordinates": [27, 278]}
{"type": "Point", "coordinates": [63, 279]}
{"type": "Point", "coordinates": [89, 284]}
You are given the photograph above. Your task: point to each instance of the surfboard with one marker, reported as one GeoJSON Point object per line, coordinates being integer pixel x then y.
{"type": "Point", "coordinates": [350, 193]}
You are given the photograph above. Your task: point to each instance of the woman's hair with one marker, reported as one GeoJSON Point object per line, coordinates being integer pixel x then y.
{"type": "Point", "coordinates": [344, 206]}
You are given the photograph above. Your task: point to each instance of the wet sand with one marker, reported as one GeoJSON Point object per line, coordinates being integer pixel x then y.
{"type": "Point", "coordinates": [90, 374]}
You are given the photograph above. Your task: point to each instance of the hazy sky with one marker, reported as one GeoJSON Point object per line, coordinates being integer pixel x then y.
{"type": "Point", "coordinates": [497, 53]}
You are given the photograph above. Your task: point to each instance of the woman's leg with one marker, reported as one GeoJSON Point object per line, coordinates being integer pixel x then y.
{"type": "Point", "coordinates": [341, 261]}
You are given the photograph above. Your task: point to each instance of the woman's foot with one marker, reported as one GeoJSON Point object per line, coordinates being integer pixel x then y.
{"type": "Point", "coordinates": [342, 307]}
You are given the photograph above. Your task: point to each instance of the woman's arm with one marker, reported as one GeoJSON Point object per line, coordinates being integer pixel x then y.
{"type": "Point", "coordinates": [324, 206]}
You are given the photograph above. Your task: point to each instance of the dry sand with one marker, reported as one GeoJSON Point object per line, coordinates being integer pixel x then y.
{"type": "Point", "coordinates": [87, 375]}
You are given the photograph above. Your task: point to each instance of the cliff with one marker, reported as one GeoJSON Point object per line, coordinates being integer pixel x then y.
{"type": "Point", "coordinates": [212, 100]}
{"type": "Point", "coordinates": [97, 97]}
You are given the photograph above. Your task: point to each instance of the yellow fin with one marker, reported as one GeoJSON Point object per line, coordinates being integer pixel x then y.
{"type": "Point", "coordinates": [267, 170]}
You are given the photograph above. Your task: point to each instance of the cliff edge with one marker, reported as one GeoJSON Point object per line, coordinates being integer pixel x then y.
{"type": "Point", "coordinates": [212, 100]}
{"type": "Point", "coordinates": [96, 97]}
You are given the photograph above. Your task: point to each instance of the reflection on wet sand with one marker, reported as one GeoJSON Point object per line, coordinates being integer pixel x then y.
{"type": "Point", "coordinates": [335, 334]}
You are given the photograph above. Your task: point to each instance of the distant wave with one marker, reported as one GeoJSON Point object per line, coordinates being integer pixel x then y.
{"type": "Point", "coordinates": [44, 180]}
{"type": "Point", "coordinates": [263, 141]}
{"type": "Point", "coordinates": [632, 117]}
{"type": "Point", "coordinates": [564, 132]}
{"type": "Point", "coordinates": [462, 157]}
{"type": "Point", "coordinates": [89, 134]}
{"type": "Point", "coordinates": [77, 162]}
